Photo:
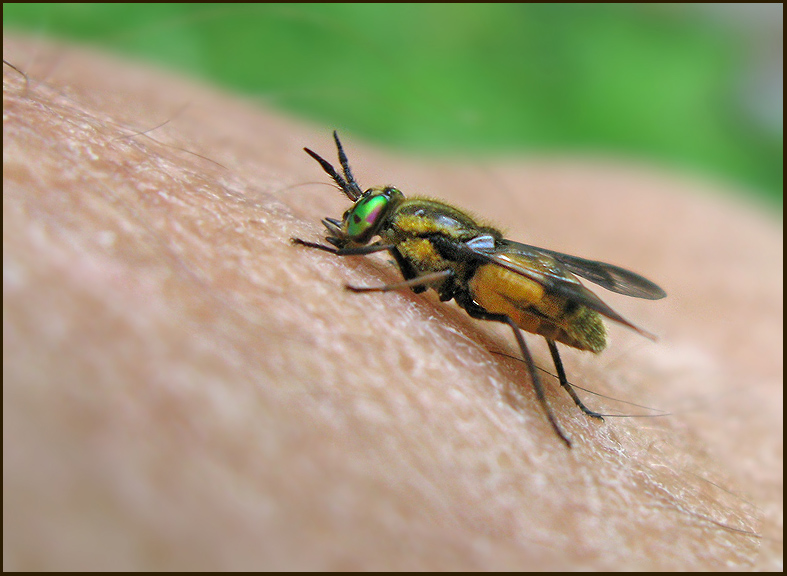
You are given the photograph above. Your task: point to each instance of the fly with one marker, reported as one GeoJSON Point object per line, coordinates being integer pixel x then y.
{"type": "Point", "coordinates": [438, 246]}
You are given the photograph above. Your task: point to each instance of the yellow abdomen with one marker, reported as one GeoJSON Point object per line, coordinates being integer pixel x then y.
{"type": "Point", "coordinates": [534, 309]}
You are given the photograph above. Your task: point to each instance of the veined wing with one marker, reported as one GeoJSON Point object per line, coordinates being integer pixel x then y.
{"type": "Point", "coordinates": [546, 268]}
{"type": "Point", "coordinates": [613, 278]}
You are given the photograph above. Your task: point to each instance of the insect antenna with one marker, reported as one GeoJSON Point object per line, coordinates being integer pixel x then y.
{"type": "Point", "coordinates": [346, 167]}
{"type": "Point", "coordinates": [347, 182]}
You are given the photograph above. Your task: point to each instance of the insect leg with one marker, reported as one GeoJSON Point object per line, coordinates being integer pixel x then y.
{"type": "Point", "coordinates": [477, 312]}
{"type": "Point", "coordinates": [416, 283]}
{"type": "Point", "coordinates": [561, 375]}
{"type": "Point", "coordinates": [363, 250]}
{"type": "Point", "coordinates": [536, 380]}
{"type": "Point", "coordinates": [353, 251]}
{"type": "Point", "coordinates": [308, 244]}
{"type": "Point", "coordinates": [424, 280]}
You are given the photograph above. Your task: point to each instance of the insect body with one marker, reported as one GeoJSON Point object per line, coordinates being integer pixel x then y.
{"type": "Point", "coordinates": [440, 247]}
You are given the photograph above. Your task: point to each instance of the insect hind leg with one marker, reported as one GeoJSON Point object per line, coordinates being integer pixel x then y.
{"type": "Point", "coordinates": [561, 376]}
{"type": "Point", "coordinates": [476, 311]}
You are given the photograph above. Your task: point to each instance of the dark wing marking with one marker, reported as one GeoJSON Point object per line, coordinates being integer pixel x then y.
{"type": "Point", "coordinates": [613, 278]}
{"type": "Point", "coordinates": [543, 267]}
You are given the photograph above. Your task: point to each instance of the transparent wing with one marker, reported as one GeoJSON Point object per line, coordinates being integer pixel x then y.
{"type": "Point", "coordinates": [549, 269]}
{"type": "Point", "coordinates": [613, 278]}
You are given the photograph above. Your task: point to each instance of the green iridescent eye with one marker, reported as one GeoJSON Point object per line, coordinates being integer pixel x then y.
{"type": "Point", "coordinates": [365, 215]}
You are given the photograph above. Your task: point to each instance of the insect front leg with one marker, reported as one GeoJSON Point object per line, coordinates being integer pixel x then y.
{"type": "Point", "coordinates": [561, 376]}
{"type": "Point", "coordinates": [407, 270]}
{"type": "Point", "coordinates": [416, 283]}
{"type": "Point", "coordinates": [352, 251]}
{"type": "Point", "coordinates": [308, 244]}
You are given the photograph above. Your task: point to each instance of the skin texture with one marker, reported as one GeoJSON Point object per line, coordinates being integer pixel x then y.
{"type": "Point", "coordinates": [183, 388]}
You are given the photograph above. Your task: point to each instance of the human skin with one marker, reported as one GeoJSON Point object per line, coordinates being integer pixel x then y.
{"type": "Point", "coordinates": [185, 389]}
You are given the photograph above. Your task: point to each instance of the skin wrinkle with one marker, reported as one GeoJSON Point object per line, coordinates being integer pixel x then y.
{"type": "Point", "coordinates": [183, 388]}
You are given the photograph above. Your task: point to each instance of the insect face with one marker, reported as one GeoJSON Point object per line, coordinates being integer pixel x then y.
{"type": "Point", "coordinates": [364, 220]}
{"type": "Point", "coordinates": [438, 246]}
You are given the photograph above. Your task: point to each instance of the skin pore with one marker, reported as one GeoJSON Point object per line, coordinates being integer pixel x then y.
{"type": "Point", "coordinates": [185, 389]}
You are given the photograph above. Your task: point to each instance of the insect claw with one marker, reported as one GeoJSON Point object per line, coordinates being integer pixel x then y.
{"type": "Point", "coordinates": [356, 289]}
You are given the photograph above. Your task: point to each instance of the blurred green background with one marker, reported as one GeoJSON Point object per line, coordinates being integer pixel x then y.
{"type": "Point", "coordinates": [693, 87]}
